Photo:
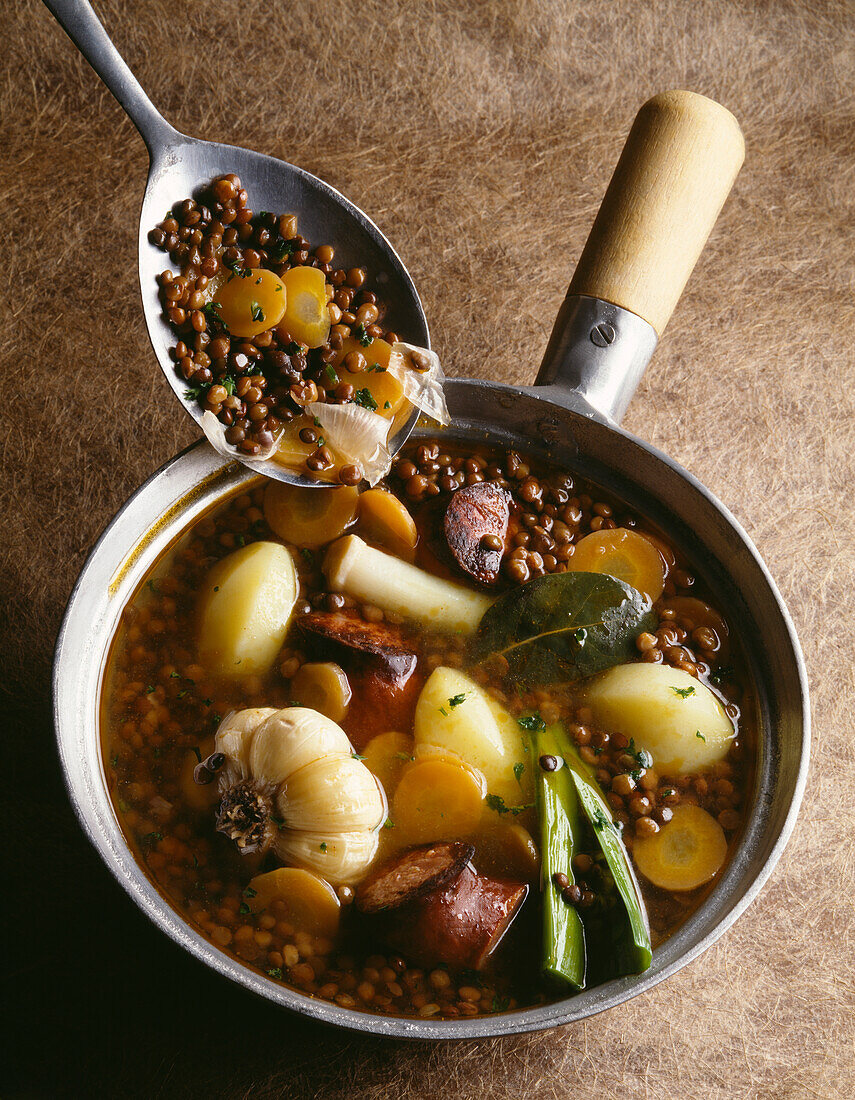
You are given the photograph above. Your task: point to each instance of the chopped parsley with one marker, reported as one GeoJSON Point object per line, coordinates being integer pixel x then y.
{"type": "Point", "coordinates": [456, 700]}
{"type": "Point", "coordinates": [280, 249]}
{"type": "Point", "coordinates": [601, 822]}
{"type": "Point", "coordinates": [149, 689]}
{"type": "Point", "coordinates": [387, 405]}
{"type": "Point", "coordinates": [307, 556]}
{"type": "Point", "coordinates": [700, 735]}
{"type": "Point", "coordinates": [404, 756]}
{"type": "Point", "coordinates": [519, 768]}
{"type": "Point", "coordinates": [236, 269]}
{"type": "Point", "coordinates": [244, 908]}
{"type": "Point", "coordinates": [275, 972]}
{"type": "Point", "coordinates": [256, 312]}
{"type": "Point", "coordinates": [330, 375]}
{"type": "Point", "coordinates": [365, 399]}
{"type": "Point", "coordinates": [249, 892]}
{"type": "Point", "coordinates": [641, 756]}
{"type": "Point", "coordinates": [323, 845]}
{"type": "Point", "coordinates": [361, 335]}
{"type": "Point", "coordinates": [211, 311]}
{"type": "Point", "coordinates": [114, 760]}
{"type": "Point", "coordinates": [684, 693]}
{"type": "Point", "coordinates": [194, 393]}
{"type": "Point", "coordinates": [388, 823]}
{"type": "Point", "coordinates": [174, 675]}
{"type": "Point", "coordinates": [357, 756]}
{"type": "Point", "coordinates": [153, 838]}
{"type": "Point", "coordinates": [533, 723]}
{"type": "Point", "coordinates": [497, 803]}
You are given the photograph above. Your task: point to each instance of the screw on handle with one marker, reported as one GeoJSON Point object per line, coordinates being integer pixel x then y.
{"type": "Point", "coordinates": [676, 170]}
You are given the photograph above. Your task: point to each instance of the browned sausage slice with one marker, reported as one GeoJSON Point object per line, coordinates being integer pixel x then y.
{"type": "Point", "coordinates": [411, 875]}
{"type": "Point", "coordinates": [461, 925]}
{"type": "Point", "coordinates": [476, 525]}
{"type": "Point", "coordinates": [380, 644]}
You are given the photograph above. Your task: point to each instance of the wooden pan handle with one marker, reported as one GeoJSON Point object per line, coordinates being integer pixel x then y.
{"type": "Point", "coordinates": [678, 165]}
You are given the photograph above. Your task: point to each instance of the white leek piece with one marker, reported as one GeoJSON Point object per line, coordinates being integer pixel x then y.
{"type": "Point", "coordinates": [369, 575]}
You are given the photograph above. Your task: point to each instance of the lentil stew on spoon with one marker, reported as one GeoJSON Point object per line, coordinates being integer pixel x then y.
{"type": "Point", "coordinates": [271, 336]}
{"type": "Point", "coordinates": [465, 741]}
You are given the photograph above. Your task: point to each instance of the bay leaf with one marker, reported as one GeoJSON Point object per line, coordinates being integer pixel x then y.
{"type": "Point", "coordinates": [564, 626]}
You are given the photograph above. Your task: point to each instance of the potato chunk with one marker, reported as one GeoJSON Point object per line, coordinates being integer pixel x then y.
{"type": "Point", "coordinates": [245, 605]}
{"type": "Point", "coordinates": [455, 714]}
{"type": "Point", "coordinates": [676, 718]}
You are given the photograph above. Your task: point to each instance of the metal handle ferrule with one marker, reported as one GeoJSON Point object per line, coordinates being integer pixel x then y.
{"type": "Point", "coordinates": [596, 356]}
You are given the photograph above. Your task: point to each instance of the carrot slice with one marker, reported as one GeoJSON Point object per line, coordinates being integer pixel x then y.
{"type": "Point", "coordinates": [305, 315]}
{"type": "Point", "coordinates": [305, 900]}
{"type": "Point", "coordinates": [386, 521]}
{"type": "Point", "coordinates": [386, 756]}
{"type": "Point", "coordinates": [623, 554]}
{"type": "Point", "coordinates": [436, 799]}
{"type": "Point", "coordinates": [309, 517]}
{"type": "Point", "coordinates": [507, 851]}
{"type": "Point", "coordinates": [685, 853]}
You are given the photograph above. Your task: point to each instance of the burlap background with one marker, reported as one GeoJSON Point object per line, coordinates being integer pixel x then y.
{"type": "Point", "coordinates": [480, 136]}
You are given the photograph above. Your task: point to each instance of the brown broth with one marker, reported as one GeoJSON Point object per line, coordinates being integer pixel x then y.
{"type": "Point", "coordinates": [160, 710]}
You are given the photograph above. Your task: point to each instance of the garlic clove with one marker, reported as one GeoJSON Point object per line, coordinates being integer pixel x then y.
{"type": "Point", "coordinates": [234, 737]}
{"type": "Point", "coordinates": [336, 793]}
{"type": "Point", "coordinates": [338, 857]}
{"type": "Point", "coordinates": [292, 738]}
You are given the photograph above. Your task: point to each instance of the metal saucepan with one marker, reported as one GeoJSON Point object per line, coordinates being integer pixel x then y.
{"type": "Point", "coordinates": [675, 172]}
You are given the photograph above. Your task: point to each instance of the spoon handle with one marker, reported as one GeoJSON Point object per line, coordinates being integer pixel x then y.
{"type": "Point", "coordinates": [83, 27]}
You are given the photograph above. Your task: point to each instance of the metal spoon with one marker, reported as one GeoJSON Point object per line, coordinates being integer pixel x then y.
{"type": "Point", "coordinates": [180, 165]}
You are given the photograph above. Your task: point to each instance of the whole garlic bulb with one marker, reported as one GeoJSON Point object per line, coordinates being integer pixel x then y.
{"type": "Point", "coordinates": [291, 782]}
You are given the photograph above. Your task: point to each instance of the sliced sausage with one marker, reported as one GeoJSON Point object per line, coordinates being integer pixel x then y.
{"type": "Point", "coordinates": [476, 526]}
{"type": "Point", "coordinates": [381, 669]}
{"type": "Point", "coordinates": [460, 925]}
{"type": "Point", "coordinates": [413, 874]}
{"type": "Point", "coordinates": [379, 703]}
{"type": "Point", "coordinates": [380, 644]}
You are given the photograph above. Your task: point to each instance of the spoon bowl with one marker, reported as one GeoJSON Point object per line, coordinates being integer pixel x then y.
{"type": "Point", "coordinates": [181, 166]}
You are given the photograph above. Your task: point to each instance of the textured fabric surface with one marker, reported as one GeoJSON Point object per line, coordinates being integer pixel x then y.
{"type": "Point", "coordinates": [481, 137]}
